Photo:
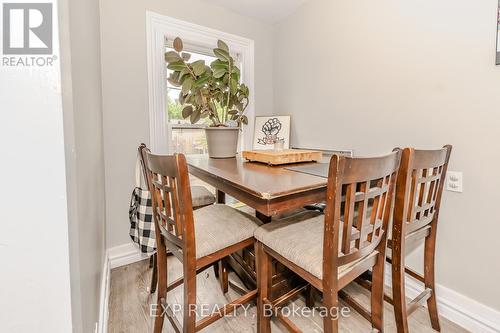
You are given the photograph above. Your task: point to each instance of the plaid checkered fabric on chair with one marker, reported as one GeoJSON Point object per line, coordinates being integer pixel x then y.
{"type": "Point", "coordinates": [142, 228]}
{"type": "Point", "coordinates": [141, 220]}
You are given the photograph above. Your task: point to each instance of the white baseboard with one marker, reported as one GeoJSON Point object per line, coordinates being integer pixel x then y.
{"type": "Point", "coordinates": [124, 255]}
{"type": "Point", "coordinates": [104, 296]}
{"type": "Point", "coordinates": [458, 308]}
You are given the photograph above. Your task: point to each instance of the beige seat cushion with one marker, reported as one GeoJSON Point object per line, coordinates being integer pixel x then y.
{"type": "Point", "coordinates": [201, 196]}
{"type": "Point", "coordinates": [299, 239]}
{"type": "Point", "coordinates": [219, 226]}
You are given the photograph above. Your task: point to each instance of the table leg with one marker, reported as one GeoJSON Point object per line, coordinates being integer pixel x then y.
{"type": "Point", "coordinates": [220, 196]}
{"type": "Point", "coordinates": [262, 217]}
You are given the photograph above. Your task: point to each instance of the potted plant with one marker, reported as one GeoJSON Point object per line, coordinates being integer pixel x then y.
{"type": "Point", "coordinates": [213, 92]}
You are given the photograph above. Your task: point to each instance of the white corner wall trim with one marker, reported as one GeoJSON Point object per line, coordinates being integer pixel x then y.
{"type": "Point", "coordinates": [102, 326]}
{"type": "Point", "coordinates": [159, 27]}
{"type": "Point", "coordinates": [458, 308]}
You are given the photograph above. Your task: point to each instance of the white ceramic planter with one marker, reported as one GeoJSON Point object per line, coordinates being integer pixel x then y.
{"type": "Point", "coordinates": [222, 141]}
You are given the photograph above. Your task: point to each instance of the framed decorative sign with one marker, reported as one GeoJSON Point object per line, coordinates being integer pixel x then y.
{"type": "Point", "coordinates": [498, 35]}
{"type": "Point", "coordinates": [270, 129]}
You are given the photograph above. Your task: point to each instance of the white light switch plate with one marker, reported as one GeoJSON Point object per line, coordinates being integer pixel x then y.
{"type": "Point", "coordinates": [454, 181]}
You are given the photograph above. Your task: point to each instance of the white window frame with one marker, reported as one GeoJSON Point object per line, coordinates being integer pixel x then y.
{"type": "Point", "coordinates": [160, 27]}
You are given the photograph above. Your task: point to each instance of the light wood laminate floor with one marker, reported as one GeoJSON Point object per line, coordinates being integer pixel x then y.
{"type": "Point", "coordinates": [129, 305]}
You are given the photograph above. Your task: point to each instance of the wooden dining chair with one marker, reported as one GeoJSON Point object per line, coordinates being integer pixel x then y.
{"type": "Point", "coordinates": [201, 197]}
{"type": "Point", "coordinates": [197, 238]}
{"type": "Point", "coordinates": [418, 198]}
{"type": "Point", "coordinates": [329, 251]}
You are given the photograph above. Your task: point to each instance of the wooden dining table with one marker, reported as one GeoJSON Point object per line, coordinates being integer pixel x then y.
{"type": "Point", "coordinates": [270, 190]}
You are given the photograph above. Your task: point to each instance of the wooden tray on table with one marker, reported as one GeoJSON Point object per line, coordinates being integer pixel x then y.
{"type": "Point", "coordinates": [286, 156]}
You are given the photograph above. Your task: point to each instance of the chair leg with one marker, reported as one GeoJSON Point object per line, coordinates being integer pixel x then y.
{"type": "Point", "coordinates": [154, 275]}
{"type": "Point", "coordinates": [151, 261]}
{"type": "Point", "coordinates": [215, 265]}
{"type": "Point", "coordinates": [189, 320]}
{"type": "Point", "coordinates": [310, 296]}
{"type": "Point", "coordinates": [264, 281]}
{"type": "Point", "coordinates": [224, 276]}
{"type": "Point", "coordinates": [429, 276]}
{"type": "Point", "coordinates": [161, 265]}
{"type": "Point", "coordinates": [331, 320]}
{"type": "Point", "coordinates": [398, 290]}
{"type": "Point", "coordinates": [377, 294]}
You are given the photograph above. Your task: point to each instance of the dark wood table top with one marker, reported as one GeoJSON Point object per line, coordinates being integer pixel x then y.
{"type": "Point", "coordinates": [260, 180]}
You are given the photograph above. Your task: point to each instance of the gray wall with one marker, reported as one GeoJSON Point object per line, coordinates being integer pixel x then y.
{"type": "Point", "coordinates": [373, 76]}
{"type": "Point", "coordinates": [82, 102]}
{"type": "Point", "coordinates": [124, 78]}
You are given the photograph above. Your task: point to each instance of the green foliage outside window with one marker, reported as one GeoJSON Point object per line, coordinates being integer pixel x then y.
{"type": "Point", "coordinates": [174, 110]}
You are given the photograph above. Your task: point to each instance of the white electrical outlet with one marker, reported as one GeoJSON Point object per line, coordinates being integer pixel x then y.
{"type": "Point", "coordinates": [454, 181]}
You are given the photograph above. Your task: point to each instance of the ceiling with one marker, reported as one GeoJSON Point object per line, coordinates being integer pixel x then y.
{"type": "Point", "coordinates": [269, 11]}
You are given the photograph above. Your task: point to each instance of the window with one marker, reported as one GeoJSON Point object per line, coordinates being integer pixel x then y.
{"type": "Point", "coordinates": [200, 40]}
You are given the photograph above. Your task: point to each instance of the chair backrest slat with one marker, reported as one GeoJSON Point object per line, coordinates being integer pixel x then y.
{"type": "Point", "coordinates": [360, 220]}
{"type": "Point", "coordinates": [350, 201]}
{"type": "Point", "coordinates": [367, 186]}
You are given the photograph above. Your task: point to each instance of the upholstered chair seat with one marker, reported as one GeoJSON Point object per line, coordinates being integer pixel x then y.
{"type": "Point", "coordinates": [201, 196]}
{"type": "Point", "coordinates": [299, 239]}
{"type": "Point", "coordinates": [219, 226]}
